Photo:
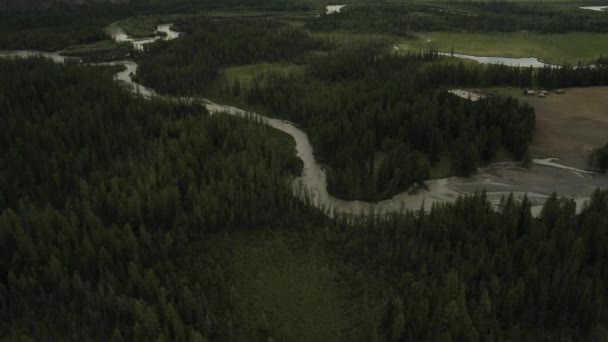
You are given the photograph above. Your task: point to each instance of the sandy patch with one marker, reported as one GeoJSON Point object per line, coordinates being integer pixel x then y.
{"type": "Point", "coordinates": [467, 94]}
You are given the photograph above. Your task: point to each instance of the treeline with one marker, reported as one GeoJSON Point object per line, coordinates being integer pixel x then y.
{"type": "Point", "coordinates": [57, 28]}
{"type": "Point", "coordinates": [30, 26]}
{"type": "Point", "coordinates": [599, 158]}
{"type": "Point", "coordinates": [191, 64]}
{"type": "Point", "coordinates": [549, 76]}
{"type": "Point", "coordinates": [493, 16]}
{"type": "Point", "coordinates": [380, 122]}
{"type": "Point", "coordinates": [102, 194]}
{"type": "Point", "coordinates": [573, 76]}
{"type": "Point", "coordinates": [465, 272]}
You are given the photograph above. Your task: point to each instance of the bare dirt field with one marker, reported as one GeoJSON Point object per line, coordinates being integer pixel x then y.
{"type": "Point", "coordinates": [570, 125]}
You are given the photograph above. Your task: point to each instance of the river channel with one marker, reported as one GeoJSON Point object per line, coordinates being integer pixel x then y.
{"type": "Point", "coordinates": [544, 177]}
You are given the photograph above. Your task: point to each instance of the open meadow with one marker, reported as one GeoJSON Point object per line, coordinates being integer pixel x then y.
{"type": "Point", "coordinates": [570, 125]}
{"type": "Point", "coordinates": [553, 48]}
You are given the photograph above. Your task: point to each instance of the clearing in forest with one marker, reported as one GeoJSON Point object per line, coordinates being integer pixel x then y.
{"type": "Point", "coordinates": [289, 284]}
{"type": "Point", "coordinates": [570, 125]}
{"type": "Point", "coordinates": [552, 48]}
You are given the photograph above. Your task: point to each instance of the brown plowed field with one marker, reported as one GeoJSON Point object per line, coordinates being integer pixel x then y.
{"type": "Point", "coordinates": [570, 125]}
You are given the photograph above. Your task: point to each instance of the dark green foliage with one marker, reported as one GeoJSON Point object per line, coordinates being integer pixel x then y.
{"type": "Point", "coordinates": [477, 16]}
{"type": "Point", "coordinates": [599, 158]}
{"type": "Point", "coordinates": [101, 193]}
{"type": "Point", "coordinates": [573, 76]}
{"type": "Point", "coordinates": [379, 121]}
{"type": "Point", "coordinates": [466, 272]}
{"type": "Point", "coordinates": [190, 64]}
{"type": "Point", "coordinates": [104, 196]}
{"type": "Point", "coordinates": [355, 104]}
{"type": "Point", "coordinates": [55, 29]}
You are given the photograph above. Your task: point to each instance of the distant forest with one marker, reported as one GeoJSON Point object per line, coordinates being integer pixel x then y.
{"type": "Point", "coordinates": [477, 16]}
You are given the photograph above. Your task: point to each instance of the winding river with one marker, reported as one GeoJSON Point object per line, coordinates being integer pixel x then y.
{"type": "Point", "coordinates": [499, 180]}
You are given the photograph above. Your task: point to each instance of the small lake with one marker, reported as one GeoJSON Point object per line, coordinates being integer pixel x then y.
{"type": "Point", "coordinates": [515, 62]}
{"type": "Point", "coordinates": [333, 9]}
{"type": "Point", "coordinates": [595, 8]}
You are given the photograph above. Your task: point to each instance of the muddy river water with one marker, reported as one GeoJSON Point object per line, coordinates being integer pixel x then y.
{"type": "Point", "coordinates": [544, 177]}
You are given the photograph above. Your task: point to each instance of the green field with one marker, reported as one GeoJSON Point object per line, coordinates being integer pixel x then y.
{"type": "Point", "coordinates": [349, 38]}
{"type": "Point", "coordinates": [245, 73]}
{"type": "Point", "coordinates": [555, 48]}
{"type": "Point", "coordinates": [104, 49]}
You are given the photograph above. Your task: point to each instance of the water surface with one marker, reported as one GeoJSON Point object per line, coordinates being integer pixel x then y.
{"type": "Point", "coordinates": [515, 62]}
{"type": "Point", "coordinates": [595, 8]}
{"type": "Point", "coordinates": [333, 9]}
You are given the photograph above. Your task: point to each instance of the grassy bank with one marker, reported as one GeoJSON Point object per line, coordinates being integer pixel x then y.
{"type": "Point", "coordinates": [102, 50]}
{"type": "Point", "coordinates": [555, 48]}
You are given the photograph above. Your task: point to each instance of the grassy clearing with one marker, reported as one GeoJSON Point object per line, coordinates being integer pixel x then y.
{"type": "Point", "coordinates": [289, 285]}
{"type": "Point", "coordinates": [350, 38]}
{"type": "Point", "coordinates": [101, 48]}
{"type": "Point", "coordinates": [245, 73]}
{"type": "Point", "coordinates": [514, 92]}
{"type": "Point", "coordinates": [554, 48]}
{"type": "Point", "coordinates": [144, 26]}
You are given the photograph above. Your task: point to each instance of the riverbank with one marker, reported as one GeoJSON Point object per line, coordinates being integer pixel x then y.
{"type": "Point", "coordinates": [569, 47]}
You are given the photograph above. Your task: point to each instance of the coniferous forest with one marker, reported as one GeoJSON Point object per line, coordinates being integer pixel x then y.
{"type": "Point", "coordinates": [126, 218]}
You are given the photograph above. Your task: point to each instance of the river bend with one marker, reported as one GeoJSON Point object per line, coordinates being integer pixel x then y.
{"type": "Point", "coordinates": [498, 180]}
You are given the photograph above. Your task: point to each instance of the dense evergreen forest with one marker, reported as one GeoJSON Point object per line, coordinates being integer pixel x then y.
{"type": "Point", "coordinates": [103, 200]}
{"type": "Point", "coordinates": [100, 194]}
{"type": "Point", "coordinates": [103, 193]}
{"type": "Point", "coordinates": [599, 158]}
{"type": "Point", "coordinates": [401, 119]}
{"type": "Point", "coordinates": [389, 109]}
{"type": "Point", "coordinates": [190, 65]}
{"type": "Point", "coordinates": [63, 25]}
{"type": "Point", "coordinates": [55, 29]}
{"type": "Point", "coordinates": [478, 16]}
{"type": "Point", "coordinates": [464, 272]}
{"type": "Point", "coordinates": [381, 121]}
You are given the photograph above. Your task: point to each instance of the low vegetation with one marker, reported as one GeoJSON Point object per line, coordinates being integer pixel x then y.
{"type": "Point", "coordinates": [100, 51]}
